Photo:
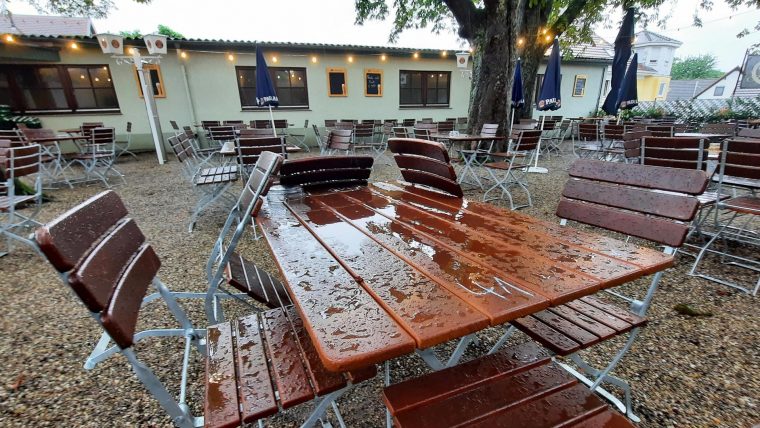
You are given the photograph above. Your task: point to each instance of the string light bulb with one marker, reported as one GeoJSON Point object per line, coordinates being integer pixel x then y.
{"type": "Point", "coordinates": [350, 58]}
{"type": "Point", "coordinates": [548, 37]}
{"type": "Point", "coordinates": [544, 31]}
{"type": "Point", "coordinates": [520, 41]}
{"type": "Point", "coordinates": [231, 57]}
{"type": "Point", "coordinates": [183, 54]}
{"type": "Point", "coordinates": [444, 54]}
{"type": "Point", "coordinates": [274, 58]}
{"type": "Point", "coordinates": [314, 59]}
{"type": "Point", "coordinates": [74, 45]}
{"type": "Point", "coordinates": [9, 38]}
{"type": "Point", "coordinates": [416, 55]}
{"type": "Point", "coordinates": [383, 57]}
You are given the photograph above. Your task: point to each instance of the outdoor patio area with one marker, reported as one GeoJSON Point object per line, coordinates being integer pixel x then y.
{"type": "Point", "coordinates": [701, 369]}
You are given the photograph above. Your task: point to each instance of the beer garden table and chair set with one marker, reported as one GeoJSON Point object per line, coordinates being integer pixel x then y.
{"type": "Point", "coordinates": [377, 271]}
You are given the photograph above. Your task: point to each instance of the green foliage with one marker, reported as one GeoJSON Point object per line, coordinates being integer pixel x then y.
{"type": "Point", "coordinates": [695, 67]}
{"type": "Point", "coordinates": [10, 122]}
{"type": "Point", "coordinates": [162, 29]}
{"type": "Point", "coordinates": [409, 14]}
{"type": "Point", "coordinates": [168, 32]}
{"type": "Point", "coordinates": [697, 111]}
{"type": "Point", "coordinates": [92, 8]}
{"type": "Point", "coordinates": [134, 34]}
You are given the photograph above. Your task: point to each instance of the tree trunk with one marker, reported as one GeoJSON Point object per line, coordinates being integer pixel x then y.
{"type": "Point", "coordinates": [534, 22]}
{"type": "Point", "coordinates": [495, 56]}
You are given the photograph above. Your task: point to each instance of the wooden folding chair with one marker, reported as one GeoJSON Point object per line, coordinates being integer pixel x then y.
{"type": "Point", "coordinates": [300, 137]}
{"type": "Point", "coordinates": [590, 143]}
{"type": "Point", "coordinates": [327, 171]}
{"type": "Point", "coordinates": [513, 169]}
{"type": "Point", "coordinates": [340, 140]}
{"type": "Point", "coordinates": [99, 155]}
{"type": "Point", "coordinates": [221, 134]}
{"type": "Point", "coordinates": [249, 149]}
{"type": "Point", "coordinates": [54, 162]}
{"type": "Point", "coordinates": [740, 160]}
{"type": "Point", "coordinates": [425, 163]}
{"type": "Point", "coordinates": [211, 184]}
{"type": "Point", "coordinates": [225, 264]}
{"type": "Point", "coordinates": [648, 202]}
{"type": "Point", "coordinates": [17, 162]}
{"type": "Point", "coordinates": [101, 254]}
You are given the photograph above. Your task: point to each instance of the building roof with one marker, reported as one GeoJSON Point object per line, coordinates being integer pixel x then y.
{"type": "Point", "coordinates": [688, 89]}
{"type": "Point", "coordinates": [42, 25]}
{"type": "Point", "coordinates": [736, 69]}
{"type": "Point", "coordinates": [649, 37]}
{"type": "Point", "coordinates": [644, 70]}
{"type": "Point", "coordinates": [597, 49]}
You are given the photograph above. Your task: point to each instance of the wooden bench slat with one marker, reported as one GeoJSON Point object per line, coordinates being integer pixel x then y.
{"type": "Point", "coordinates": [603, 317]}
{"type": "Point", "coordinates": [631, 198]}
{"type": "Point", "coordinates": [616, 311]}
{"type": "Point", "coordinates": [64, 242]}
{"type": "Point", "coordinates": [287, 366]}
{"type": "Point", "coordinates": [426, 164]}
{"type": "Point", "coordinates": [325, 176]}
{"type": "Point", "coordinates": [95, 277]}
{"type": "Point", "coordinates": [654, 229]}
{"type": "Point", "coordinates": [432, 180]}
{"type": "Point", "coordinates": [257, 398]}
{"type": "Point", "coordinates": [573, 331]}
{"type": "Point", "coordinates": [607, 419]}
{"type": "Point", "coordinates": [324, 381]}
{"type": "Point", "coordinates": [581, 320]}
{"type": "Point", "coordinates": [448, 382]}
{"type": "Point", "coordinates": [547, 336]}
{"type": "Point", "coordinates": [221, 405]}
{"type": "Point", "coordinates": [495, 395]}
{"type": "Point", "coordinates": [692, 182]}
{"type": "Point", "coordinates": [298, 166]}
{"type": "Point", "coordinates": [419, 147]}
{"type": "Point", "coordinates": [256, 283]}
{"type": "Point", "coordinates": [571, 405]}
{"type": "Point", "coordinates": [360, 375]}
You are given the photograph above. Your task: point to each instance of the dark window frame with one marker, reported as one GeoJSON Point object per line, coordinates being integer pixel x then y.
{"type": "Point", "coordinates": [272, 75]}
{"type": "Point", "coordinates": [18, 103]}
{"type": "Point", "coordinates": [424, 89]}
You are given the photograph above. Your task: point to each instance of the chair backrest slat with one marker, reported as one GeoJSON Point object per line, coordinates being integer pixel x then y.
{"type": "Point", "coordinates": [525, 141]}
{"type": "Point", "coordinates": [489, 129]}
{"type": "Point", "coordinates": [364, 130]}
{"type": "Point", "coordinates": [674, 152]}
{"type": "Point", "coordinates": [120, 317]}
{"type": "Point", "coordinates": [250, 149]}
{"type": "Point", "coordinates": [65, 240]}
{"type": "Point", "coordinates": [648, 202]}
{"type": "Point", "coordinates": [339, 139]}
{"type": "Point", "coordinates": [326, 171]}
{"type": "Point", "coordinates": [588, 131]}
{"type": "Point", "coordinates": [221, 133]}
{"type": "Point", "coordinates": [19, 161]}
{"type": "Point", "coordinates": [741, 159]}
{"type": "Point", "coordinates": [426, 163]}
{"type": "Point", "coordinates": [257, 132]}
{"type": "Point", "coordinates": [749, 132]}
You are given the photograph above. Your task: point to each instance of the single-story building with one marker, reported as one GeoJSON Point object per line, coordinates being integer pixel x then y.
{"type": "Point", "coordinates": [67, 80]}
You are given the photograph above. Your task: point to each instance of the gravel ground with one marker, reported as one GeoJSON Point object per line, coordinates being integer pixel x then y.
{"type": "Point", "coordinates": [686, 371]}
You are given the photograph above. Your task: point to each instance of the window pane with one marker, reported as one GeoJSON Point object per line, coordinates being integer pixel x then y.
{"type": "Point", "coordinates": [282, 78]}
{"type": "Point", "coordinates": [300, 97]}
{"type": "Point", "coordinates": [80, 77]}
{"type": "Point", "coordinates": [49, 77]}
{"type": "Point", "coordinates": [85, 98]}
{"type": "Point", "coordinates": [44, 99]}
{"type": "Point", "coordinates": [443, 96]}
{"type": "Point", "coordinates": [106, 98]}
{"type": "Point", "coordinates": [100, 77]}
{"type": "Point", "coordinates": [248, 96]}
{"type": "Point", "coordinates": [298, 79]}
{"type": "Point", "coordinates": [155, 80]}
{"type": "Point", "coordinates": [246, 77]}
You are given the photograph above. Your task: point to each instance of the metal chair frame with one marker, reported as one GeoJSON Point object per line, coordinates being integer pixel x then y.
{"type": "Point", "coordinates": [99, 155]}
{"type": "Point", "coordinates": [122, 147]}
{"type": "Point", "coordinates": [27, 159]}
{"type": "Point", "coordinates": [240, 217]}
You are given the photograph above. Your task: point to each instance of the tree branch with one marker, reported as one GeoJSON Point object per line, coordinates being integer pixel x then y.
{"type": "Point", "coordinates": [467, 15]}
{"type": "Point", "coordinates": [573, 11]}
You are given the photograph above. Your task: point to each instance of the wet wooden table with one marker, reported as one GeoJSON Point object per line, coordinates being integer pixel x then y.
{"type": "Point", "coordinates": [380, 271]}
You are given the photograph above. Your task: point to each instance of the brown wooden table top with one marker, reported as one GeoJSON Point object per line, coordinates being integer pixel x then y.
{"type": "Point", "coordinates": [378, 271]}
{"type": "Point", "coordinates": [465, 137]}
{"type": "Point", "coordinates": [54, 139]}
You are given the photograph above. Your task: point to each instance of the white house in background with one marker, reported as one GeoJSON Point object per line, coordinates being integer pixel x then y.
{"type": "Point", "coordinates": [656, 53]}
{"type": "Point", "coordinates": [723, 88]}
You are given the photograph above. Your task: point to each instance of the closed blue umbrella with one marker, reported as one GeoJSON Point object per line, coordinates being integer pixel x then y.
{"type": "Point", "coordinates": [550, 98]}
{"type": "Point", "coordinates": [518, 99]}
{"type": "Point", "coordinates": [265, 94]}
{"type": "Point", "coordinates": [628, 94]}
{"type": "Point", "coordinates": [623, 46]}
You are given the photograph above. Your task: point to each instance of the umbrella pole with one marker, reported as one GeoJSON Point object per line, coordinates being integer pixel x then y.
{"type": "Point", "coordinates": [271, 119]}
{"type": "Point", "coordinates": [511, 123]}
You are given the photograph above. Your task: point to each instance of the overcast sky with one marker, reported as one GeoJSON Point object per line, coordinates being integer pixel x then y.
{"type": "Point", "coordinates": [332, 21]}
